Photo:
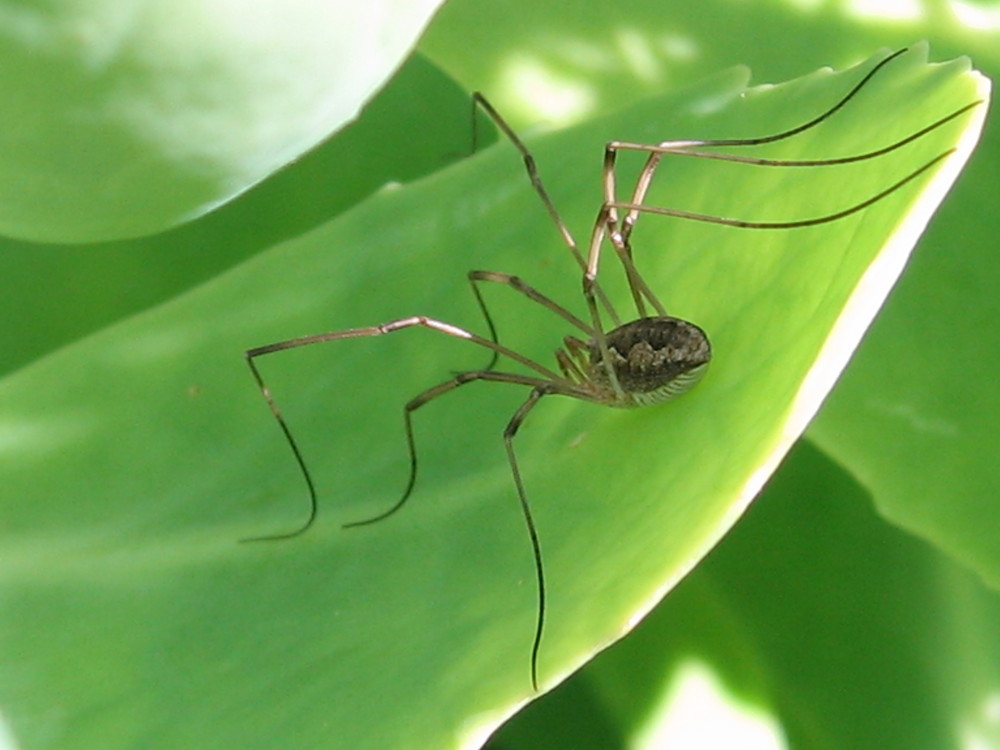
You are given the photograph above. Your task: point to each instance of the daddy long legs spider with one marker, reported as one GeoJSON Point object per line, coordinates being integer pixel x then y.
{"type": "Point", "coordinates": [631, 362]}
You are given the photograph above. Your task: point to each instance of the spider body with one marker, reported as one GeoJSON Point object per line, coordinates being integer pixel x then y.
{"type": "Point", "coordinates": [654, 360]}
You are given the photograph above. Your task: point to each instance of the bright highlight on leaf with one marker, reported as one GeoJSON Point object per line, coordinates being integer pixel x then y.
{"type": "Point", "coordinates": [121, 563]}
{"type": "Point", "coordinates": [698, 711]}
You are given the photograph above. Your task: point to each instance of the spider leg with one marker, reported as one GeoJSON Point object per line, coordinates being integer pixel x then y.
{"type": "Point", "coordinates": [743, 224]}
{"type": "Point", "coordinates": [619, 231]}
{"type": "Point", "coordinates": [515, 283]}
{"type": "Point", "coordinates": [603, 227]}
{"type": "Point", "coordinates": [531, 168]}
{"type": "Point", "coordinates": [613, 229]}
{"type": "Point", "coordinates": [290, 439]}
{"type": "Point", "coordinates": [605, 216]}
{"type": "Point", "coordinates": [540, 388]}
{"type": "Point", "coordinates": [685, 146]}
{"type": "Point", "coordinates": [558, 382]}
{"type": "Point", "coordinates": [490, 325]}
{"type": "Point", "coordinates": [536, 549]}
{"type": "Point", "coordinates": [463, 378]}
{"type": "Point", "coordinates": [680, 148]}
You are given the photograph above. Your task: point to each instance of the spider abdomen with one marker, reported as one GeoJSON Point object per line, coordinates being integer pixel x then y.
{"type": "Point", "coordinates": [654, 359]}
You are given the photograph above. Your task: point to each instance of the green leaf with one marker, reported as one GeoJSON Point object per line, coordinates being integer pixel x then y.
{"type": "Point", "coordinates": [131, 117]}
{"type": "Point", "coordinates": [134, 460]}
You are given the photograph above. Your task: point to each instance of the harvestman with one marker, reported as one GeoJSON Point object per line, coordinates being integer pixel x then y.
{"type": "Point", "coordinates": [640, 362]}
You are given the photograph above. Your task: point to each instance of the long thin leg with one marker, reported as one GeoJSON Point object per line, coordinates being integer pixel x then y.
{"type": "Point", "coordinates": [546, 374]}
{"type": "Point", "coordinates": [532, 168]}
{"type": "Point", "coordinates": [589, 281]}
{"type": "Point", "coordinates": [811, 123]}
{"type": "Point", "coordinates": [740, 223]}
{"type": "Point", "coordinates": [290, 439]}
{"type": "Point", "coordinates": [619, 231]}
{"type": "Point", "coordinates": [536, 548]}
{"type": "Point", "coordinates": [463, 378]}
{"type": "Point", "coordinates": [541, 388]}
{"type": "Point", "coordinates": [608, 224]}
{"type": "Point", "coordinates": [515, 283]}
{"type": "Point", "coordinates": [490, 325]}
{"type": "Point", "coordinates": [536, 182]}
{"type": "Point", "coordinates": [679, 148]}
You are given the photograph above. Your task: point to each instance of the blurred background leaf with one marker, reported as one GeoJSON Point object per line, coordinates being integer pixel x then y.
{"type": "Point", "coordinates": [131, 118]}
